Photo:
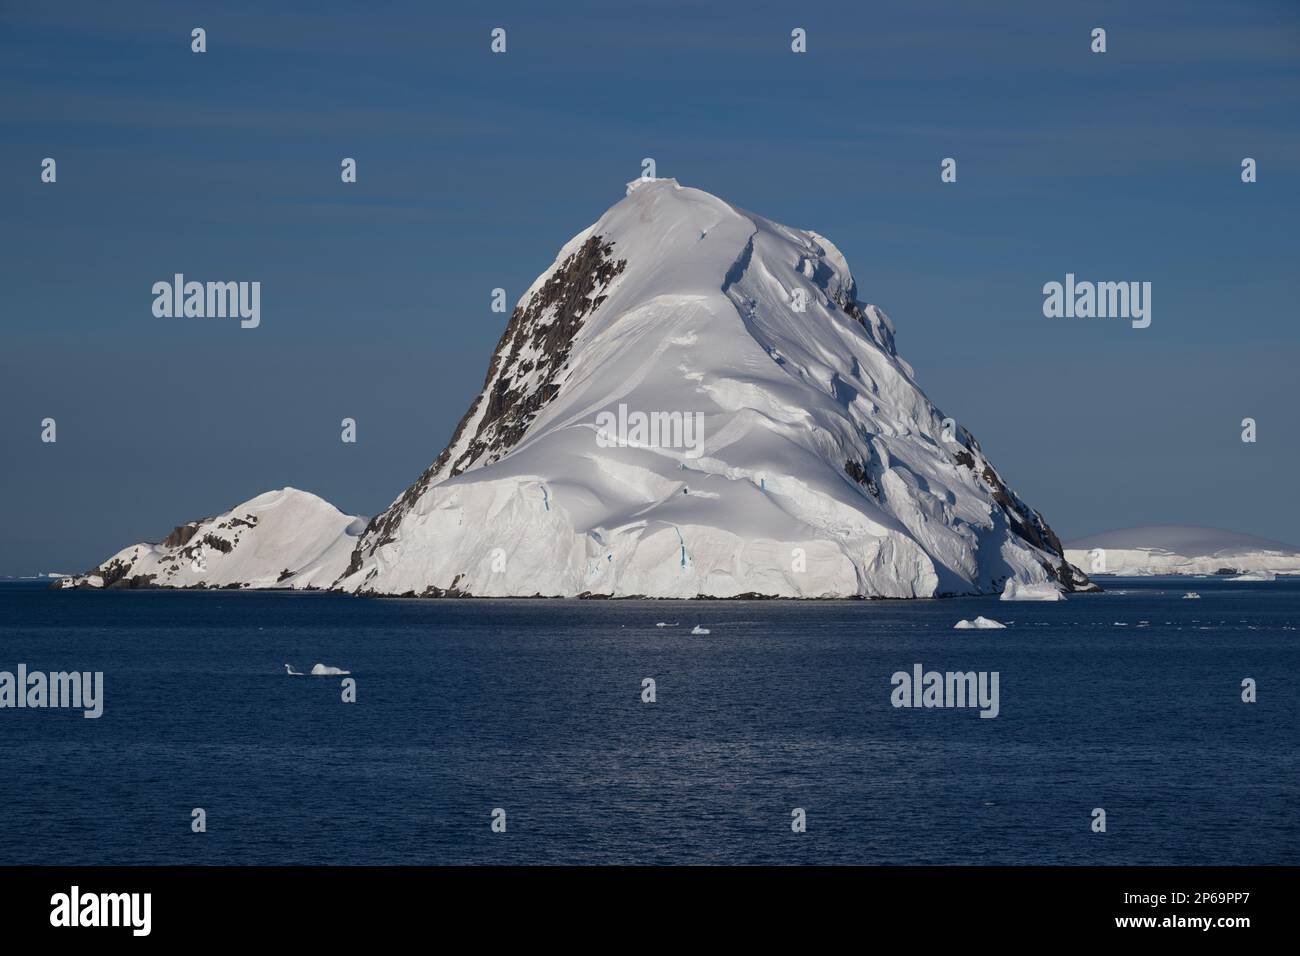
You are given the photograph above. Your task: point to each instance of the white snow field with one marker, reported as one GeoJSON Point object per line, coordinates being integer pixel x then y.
{"type": "Point", "coordinates": [1182, 549]}
{"type": "Point", "coordinates": [281, 539]}
{"type": "Point", "coordinates": [789, 451]}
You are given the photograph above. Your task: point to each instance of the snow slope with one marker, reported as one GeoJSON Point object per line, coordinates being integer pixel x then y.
{"type": "Point", "coordinates": [281, 539]}
{"type": "Point", "coordinates": [824, 471]}
{"type": "Point", "coordinates": [1181, 549]}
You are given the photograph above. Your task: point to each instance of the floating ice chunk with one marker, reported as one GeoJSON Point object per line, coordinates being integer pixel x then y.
{"type": "Point", "coordinates": [291, 672]}
{"type": "Point", "coordinates": [1045, 591]}
{"type": "Point", "coordinates": [699, 630]}
{"type": "Point", "coordinates": [665, 624]}
{"type": "Point", "coordinates": [1191, 596]}
{"type": "Point", "coordinates": [324, 670]}
{"type": "Point", "coordinates": [981, 622]}
{"type": "Point", "coordinates": [1255, 576]}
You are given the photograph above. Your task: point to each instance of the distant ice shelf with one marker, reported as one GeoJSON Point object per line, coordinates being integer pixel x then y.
{"type": "Point", "coordinates": [1183, 549]}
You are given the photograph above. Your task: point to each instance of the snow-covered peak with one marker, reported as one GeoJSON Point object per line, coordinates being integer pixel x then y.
{"type": "Point", "coordinates": [822, 469]}
{"type": "Point", "coordinates": [279, 496]}
{"type": "Point", "coordinates": [643, 181]}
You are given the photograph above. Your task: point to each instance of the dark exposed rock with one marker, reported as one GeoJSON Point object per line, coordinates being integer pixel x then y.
{"type": "Point", "coordinates": [847, 300]}
{"type": "Point", "coordinates": [858, 472]}
{"type": "Point", "coordinates": [217, 544]}
{"type": "Point", "coordinates": [113, 571]}
{"type": "Point", "coordinates": [515, 390]}
{"type": "Point", "coordinates": [1022, 519]}
{"type": "Point", "coordinates": [1029, 525]}
{"type": "Point", "coordinates": [567, 298]}
{"type": "Point", "coordinates": [180, 535]}
{"type": "Point", "coordinates": [134, 582]}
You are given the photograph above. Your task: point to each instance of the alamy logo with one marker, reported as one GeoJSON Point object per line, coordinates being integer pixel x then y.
{"type": "Point", "coordinates": [76, 689]}
{"type": "Point", "coordinates": [923, 688]}
{"type": "Point", "coordinates": [208, 300]}
{"type": "Point", "coordinates": [75, 908]}
{"type": "Point", "coordinates": [1101, 300]}
{"type": "Point", "coordinates": [683, 430]}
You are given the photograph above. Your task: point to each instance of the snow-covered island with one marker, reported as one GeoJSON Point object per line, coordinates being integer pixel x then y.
{"type": "Point", "coordinates": [1183, 549]}
{"type": "Point", "coordinates": [281, 539]}
{"type": "Point", "coordinates": [690, 402]}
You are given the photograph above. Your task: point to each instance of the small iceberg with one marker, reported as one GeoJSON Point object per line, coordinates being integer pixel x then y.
{"type": "Point", "coordinates": [981, 622]}
{"type": "Point", "coordinates": [1255, 576]}
{"type": "Point", "coordinates": [291, 672]}
{"type": "Point", "coordinates": [1044, 591]}
{"type": "Point", "coordinates": [665, 624]}
{"type": "Point", "coordinates": [1191, 596]}
{"type": "Point", "coordinates": [699, 630]}
{"type": "Point", "coordinates": [324, 670]}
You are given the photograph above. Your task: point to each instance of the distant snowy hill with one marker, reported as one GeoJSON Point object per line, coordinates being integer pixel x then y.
{"type": "Point", "coordinates": [281, 539]}
{"type": "Point", "coordinates": [1180, 549]}
{"type": "Point", "coordinates": [821, 469]}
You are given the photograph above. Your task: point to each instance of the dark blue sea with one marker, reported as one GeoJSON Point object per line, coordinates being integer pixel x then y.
{"type": "Point", "coordinates": [1128, 701]}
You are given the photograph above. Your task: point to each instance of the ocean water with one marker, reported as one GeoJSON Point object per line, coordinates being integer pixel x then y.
{"type": "Point", "coordinates": [1128, 701]}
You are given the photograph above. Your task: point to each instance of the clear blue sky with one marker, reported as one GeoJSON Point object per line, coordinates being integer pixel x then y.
{"type": "Point", "coordinates": [475, 168]}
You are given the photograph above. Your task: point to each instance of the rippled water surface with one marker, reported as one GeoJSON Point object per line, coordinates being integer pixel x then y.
{"type": "Point", "coordinates": [1129, 701]}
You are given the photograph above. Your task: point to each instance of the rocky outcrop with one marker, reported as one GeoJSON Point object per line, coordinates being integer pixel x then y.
{"type": "Point", "coordinates": [523, 376]}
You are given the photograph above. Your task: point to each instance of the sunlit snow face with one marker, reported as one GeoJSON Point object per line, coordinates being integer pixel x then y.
{"type": "Point", "coordinates": [676, 430]}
